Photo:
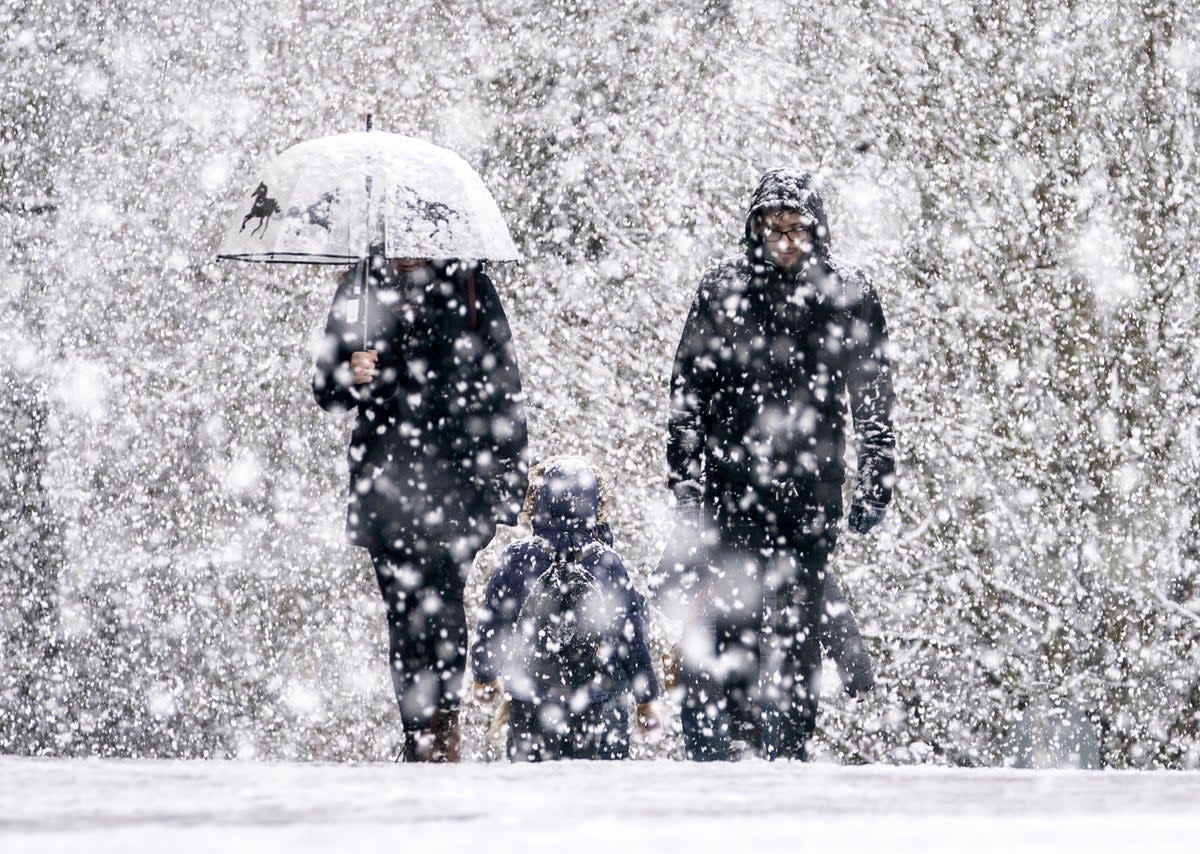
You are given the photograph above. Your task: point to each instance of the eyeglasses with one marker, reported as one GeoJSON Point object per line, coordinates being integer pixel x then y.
{"type": "Point", "coordinates": [794, 234]}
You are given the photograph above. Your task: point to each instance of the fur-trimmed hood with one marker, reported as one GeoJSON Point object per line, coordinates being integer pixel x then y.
{"type": "Point", "coordinates": [567, 504]}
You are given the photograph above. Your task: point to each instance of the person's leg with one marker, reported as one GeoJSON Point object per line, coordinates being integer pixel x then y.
{"type": "Point", "coordinates": [766, 739]}
{"type": "Point", "coordinates": [427, 634]}
{"type": "Point", "coordinates": [537, 732]}
{"type": "Point", "coordinates": [446, 631]}
{"type": "Point", "coordinates": [741, 641]}
{"type": "Point", "coordinates": [526, 743]}
{"type": "Point", "coordinates": [797, 627]}
{"type": "Point", "coordinates": [706, 736]}
{"type": "Point", "coordinates": [601, 731]}
{"type": "Point", "coordinates": [395, 599]}
{"type": "Point", "coordinates": [720, 655]}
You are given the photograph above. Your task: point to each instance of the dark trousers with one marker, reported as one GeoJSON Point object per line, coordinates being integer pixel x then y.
{"type": "Point", "coordinates": [422, 588]}
{"type": "Point", "coordinates": [751, 657]}
{"type": "Point", "coordinates": [547, 731]}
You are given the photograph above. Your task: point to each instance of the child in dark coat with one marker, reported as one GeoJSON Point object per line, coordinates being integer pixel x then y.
{"type": "Point", "coordinates": [586, 717]}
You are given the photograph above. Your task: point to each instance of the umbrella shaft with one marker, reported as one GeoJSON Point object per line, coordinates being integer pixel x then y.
{"type": "Point", "coordinates": [364, 273]}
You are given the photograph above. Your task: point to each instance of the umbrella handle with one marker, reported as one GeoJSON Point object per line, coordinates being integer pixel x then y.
{"type": "Point", "coordinates": [472, 308]}
{"type": "Point", "coordinates": [364, 280]}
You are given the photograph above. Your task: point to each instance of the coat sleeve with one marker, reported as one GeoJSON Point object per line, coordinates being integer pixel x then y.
{"type": "Point", "coordinates": [632, 631]}
{"type": "Point", "coordinates": [842, 640]}
{"type": "Point", "coordinates": [693, 379]}
{"type": "Point", "coordinates": [333, 381]}
{"type": "Point", "coordinates": [496, 620]}
{"type": "Point", "coordinates": [872, 398]}
{"type": "Point", "coordinates": [502, 446]}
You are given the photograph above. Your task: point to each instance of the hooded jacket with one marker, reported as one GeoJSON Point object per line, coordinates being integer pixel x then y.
{"type": "Point", "coordinates": [439, 441]}
{"type": "Point", "coordinates": [564, 521]}
{"type": "Point", "coordinates": [771, 363]}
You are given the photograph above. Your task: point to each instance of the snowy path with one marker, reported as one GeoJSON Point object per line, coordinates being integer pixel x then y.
{"type": "Point", "coordinates": [111, 805]}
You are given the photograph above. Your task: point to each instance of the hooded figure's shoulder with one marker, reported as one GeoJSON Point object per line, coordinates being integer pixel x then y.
{"type": "Point", "coordinates": [723, 279]}
{"type": "Point", "coordinates": [606, 564]}
{"type": "Point", "coordinates": [524, 554]}
{"type": "Point", "coordinates": [852, 288]}
{"type": "Point", "coordinates": [605, 555]}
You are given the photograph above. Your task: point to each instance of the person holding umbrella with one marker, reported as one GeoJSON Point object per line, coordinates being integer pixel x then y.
{"type": "Point", "coordinates": [417, 345]}
{"type": "Point", "coordinates": [437, 460]}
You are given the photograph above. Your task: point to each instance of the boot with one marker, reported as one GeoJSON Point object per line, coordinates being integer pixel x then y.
{"type": "Point", "coordinates": [416, 747]}
{"type": "Point", "coordinates": [447, 736]}
{"type": "Point", "coordinates": [439, 743]}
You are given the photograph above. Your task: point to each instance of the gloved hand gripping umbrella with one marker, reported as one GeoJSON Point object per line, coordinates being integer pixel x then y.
{"type": "Point", "coordinates": [364, 197]}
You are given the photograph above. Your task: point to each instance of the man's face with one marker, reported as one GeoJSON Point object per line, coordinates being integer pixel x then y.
{"type": "Point", "coordinates": [787, 238]}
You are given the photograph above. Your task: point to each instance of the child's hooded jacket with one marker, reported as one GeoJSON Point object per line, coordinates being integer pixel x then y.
{"type": "Point", "coordinates": [564, 520]}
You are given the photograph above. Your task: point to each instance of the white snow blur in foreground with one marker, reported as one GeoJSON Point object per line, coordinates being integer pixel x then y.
{"type": "Point", "coordinates": [126, 805]}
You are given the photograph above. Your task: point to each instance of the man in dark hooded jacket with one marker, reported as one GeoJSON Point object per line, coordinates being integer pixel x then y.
{"type": "Point", "coordinates": [774, 344]}
{"type": "Point", "coordinates": [437, 460]}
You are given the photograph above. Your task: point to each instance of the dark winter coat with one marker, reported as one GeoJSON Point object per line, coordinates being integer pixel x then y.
{"type": "Point", "coordinates": [440, 439]}
{"type": "Point", "coordinates": [770, 365]}
{"type": "Point", "coordinates": [564, 521]}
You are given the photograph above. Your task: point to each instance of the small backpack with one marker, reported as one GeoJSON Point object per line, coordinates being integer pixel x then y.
{"type": "Point", "coordinates": [564, 622]}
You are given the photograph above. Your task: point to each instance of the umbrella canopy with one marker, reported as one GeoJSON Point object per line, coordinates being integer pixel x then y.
{"type": "Point", "coordinates": [342, 198]}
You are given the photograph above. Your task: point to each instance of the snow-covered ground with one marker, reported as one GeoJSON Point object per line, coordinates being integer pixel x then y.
{"type": "Point", "coordinates": [173, 806]}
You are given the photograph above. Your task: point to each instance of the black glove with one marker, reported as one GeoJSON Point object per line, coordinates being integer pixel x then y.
{"type": "Point", "coordinates": [865, 515]}
{"type": "Point", "coordinates": [860, 683]}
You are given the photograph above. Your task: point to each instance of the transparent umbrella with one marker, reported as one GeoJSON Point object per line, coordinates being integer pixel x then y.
{"type": "Point", "coordinates": [359, 196]}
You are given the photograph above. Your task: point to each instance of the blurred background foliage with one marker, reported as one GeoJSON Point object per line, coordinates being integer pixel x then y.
{"type": "Point", "coordinates": [1019, 179]}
